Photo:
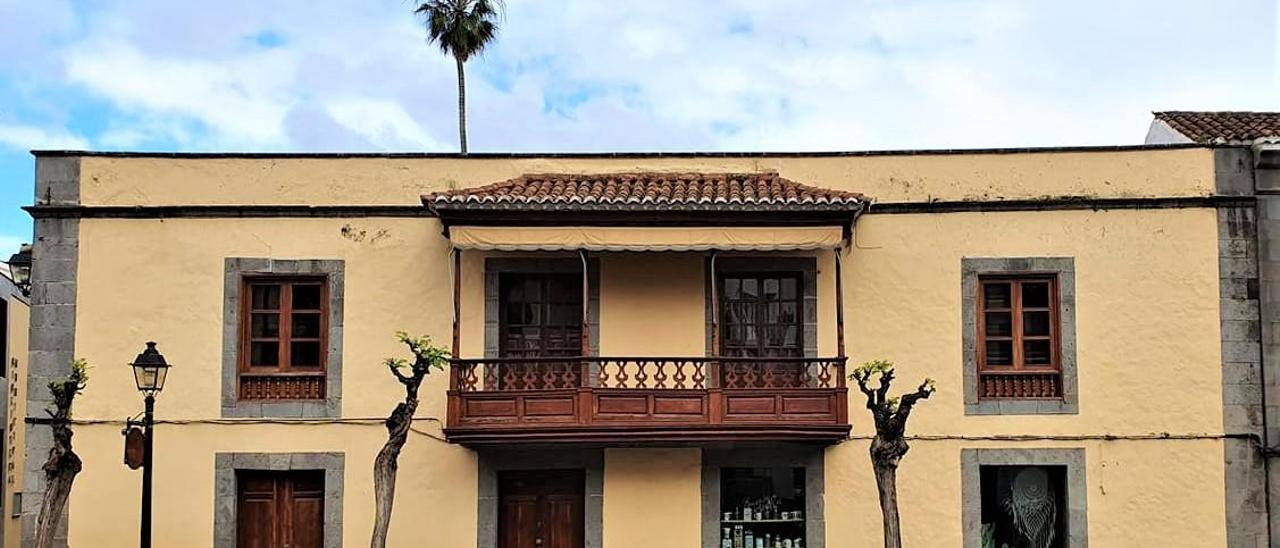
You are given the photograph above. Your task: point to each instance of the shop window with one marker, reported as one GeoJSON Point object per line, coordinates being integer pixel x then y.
{"type": "Point", "coordinates": [1024, 506]}
{"type": "Point", "coordinates": [762, 507]}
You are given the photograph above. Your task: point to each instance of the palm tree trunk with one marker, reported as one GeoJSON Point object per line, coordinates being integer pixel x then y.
{"type": "Point", "coordinates": [462, 104]}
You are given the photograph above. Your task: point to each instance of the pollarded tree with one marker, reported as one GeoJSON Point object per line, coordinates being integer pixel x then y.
{"type": "Point", "coordinates": [461, 28]}
{"type": "Point", "coordinates": [426, 357]}
{"type": "Point", "coordinates": [889, 444]}
{"type": "Point", "coordinates": [63, 464]}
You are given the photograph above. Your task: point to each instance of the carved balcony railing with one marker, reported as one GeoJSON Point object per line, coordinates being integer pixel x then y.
{"type": "Point", "coordinates": [1020, 384]}
{"type": "Point", "coordinates": [638, 399]}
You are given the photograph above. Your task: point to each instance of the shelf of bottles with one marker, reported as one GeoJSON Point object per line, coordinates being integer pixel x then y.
{"type": "Point", "coordinates": [762, 507]}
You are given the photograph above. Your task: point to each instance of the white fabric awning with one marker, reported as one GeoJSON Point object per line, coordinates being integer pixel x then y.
{"type": "Point", "coordinates": [646, 238]}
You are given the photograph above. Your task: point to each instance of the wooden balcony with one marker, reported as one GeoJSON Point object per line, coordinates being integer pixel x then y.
{"type": "Point", "coordinates": [638, 400]}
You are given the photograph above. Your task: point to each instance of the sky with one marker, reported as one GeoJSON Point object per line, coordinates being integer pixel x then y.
{"type": "Point", "coordinates": [624, 75]}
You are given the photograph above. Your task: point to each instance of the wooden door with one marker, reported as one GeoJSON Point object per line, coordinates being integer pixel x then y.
{"type": "Point", "coordinates": [280, 509]}
{"type": "Point", "coordinates": [540, 316]}
{"type": "Point", "coordinates": [540, 509]}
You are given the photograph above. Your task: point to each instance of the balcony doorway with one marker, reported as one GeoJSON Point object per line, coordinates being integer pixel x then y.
{"type": "Point", "coordinates": [540, 316]}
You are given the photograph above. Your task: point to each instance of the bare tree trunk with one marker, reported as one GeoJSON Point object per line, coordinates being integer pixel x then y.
{"type": "Point", "coordinates": [59, 473]}
{"type": "Point", "coordinates": [890, 443]}
{"type": "Point", "coordinates": [462, 104]}
{"type": "Point", "coordinates": [63, 465]}
{"type": "Point", "coordinates": [887, 485]}
{"type": "Point", "coordinates": [386, 465]}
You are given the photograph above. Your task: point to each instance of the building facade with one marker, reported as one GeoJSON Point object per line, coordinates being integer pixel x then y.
{"type": "Point", "coordinates": [652, 349]}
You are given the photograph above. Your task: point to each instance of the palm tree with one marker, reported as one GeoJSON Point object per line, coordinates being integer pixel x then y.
{"type": "Point", "coordinates": [462, 28]}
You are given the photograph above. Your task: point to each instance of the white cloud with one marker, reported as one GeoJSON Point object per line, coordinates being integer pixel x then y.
{"type": "Point", "coordinates": [242, 100]}
{"type": "Point", "coordinates": [663, 74]}
{"type": "Point", "coordinates": [24, 138]}
{"type": "Point", "coordinates": [384, 123]}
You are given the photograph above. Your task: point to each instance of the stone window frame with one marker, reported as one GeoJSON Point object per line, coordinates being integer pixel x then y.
{"type": "Point", "coordinates": [971, 461]}
{"type": "Point", "coordinates": [812, 459]}
{"type": "Point", "coordinates": [806, 266]}
{"type": "Point", "coordinates": [494, 267]}
{"type": "Point", "coordinates": [490, 462]}
{"type": "Point", "coordinates": [971, 268]}
{"type": "Point", "coordinates": [226, 490]}
{"type": "Point", "coordinates": [236, 269]}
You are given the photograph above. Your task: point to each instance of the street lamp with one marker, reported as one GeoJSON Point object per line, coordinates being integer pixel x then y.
{"type": "Point", "coordinates": [149, 372]}
{"type": "Point", "coordinates": [20, 268]}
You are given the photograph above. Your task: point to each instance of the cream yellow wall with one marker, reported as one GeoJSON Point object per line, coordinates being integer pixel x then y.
{"type": "Point", "coordinates": [15, 430]}
{"type": "Point", "coordinates": [1148, 358]}
{"type": "Point", "coordinates": [888, 178]}
{"type": "Point", "coordinates": [398, 281]}
{"type": "Point", "coordinates": [652, 497]}
{"type": "Point", "coordinates": [1147, 335]}
{"type": "Point", "coordinates": [1166, 494]}
{"type": "Point", "coordinates": [1146, 309]}
{"type": "Point", "coordinates": [433, 477]}
{"type": "Point", "coordinates": [652, 304]}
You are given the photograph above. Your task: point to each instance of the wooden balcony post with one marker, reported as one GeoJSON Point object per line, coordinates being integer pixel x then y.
{"type": "Point", "coordinates": [839, 308]}
{"type": "Point", "coordinates": [584, 367]}
{"type": "Point", "coordinates": [457, 300]}
{"type": "Point", "coordinates": [715, 396]}
{"type": "Point", "coordinates": [586, 305]}
{"type": "Point", "coordinates": [715, 307]}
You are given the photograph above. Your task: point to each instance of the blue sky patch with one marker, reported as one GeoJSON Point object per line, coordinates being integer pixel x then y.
{"type": "Point", "coordinates": [269, 39]}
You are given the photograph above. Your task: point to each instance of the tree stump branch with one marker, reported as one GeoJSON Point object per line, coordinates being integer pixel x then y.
{"type": "Point", "coordinates": [385, 466]}
{"type": "Point", "coordinates": [889, 444]}
{"type": "Point", "coordinates": [62, 466]}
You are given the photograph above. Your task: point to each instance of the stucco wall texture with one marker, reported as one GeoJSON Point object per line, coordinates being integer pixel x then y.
{"type": "Point", "coordinates": [15, 458]}
{"type": "Point", "coordinates": [1147, 314]}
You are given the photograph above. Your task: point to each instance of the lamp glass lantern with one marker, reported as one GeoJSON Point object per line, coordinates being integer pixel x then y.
{"type": "Point", "coordinates": [20, 266]}
{"type": "Point", "coordinates": [150, 370]}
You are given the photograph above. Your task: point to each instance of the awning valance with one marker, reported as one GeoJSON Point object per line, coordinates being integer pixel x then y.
{"type": "Point", "coordinates": [646, 238]}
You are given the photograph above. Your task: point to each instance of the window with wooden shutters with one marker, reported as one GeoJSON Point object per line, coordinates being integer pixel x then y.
{"type": "Point", "coordinates": [1018, 337]}
{"type": "Point", "coordinates": [284, 329]}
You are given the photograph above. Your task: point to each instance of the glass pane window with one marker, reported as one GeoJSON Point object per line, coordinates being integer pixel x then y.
{"type": "Point", "coordinates": [1017, 336]}
{"type": "Point", "coordinates": [540, 316]}
{"type": "Point", "coordinates": [761, 315]}
{"type": "Point", "coordinates": [283, 327]}
{"type": "Point", "coordinates": [1018, 320]}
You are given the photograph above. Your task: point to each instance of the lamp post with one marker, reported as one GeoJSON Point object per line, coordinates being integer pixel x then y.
{"type": "Point", "coordinates": [20, 268]}
{"type": "Point", "coordinates": [149, 372]}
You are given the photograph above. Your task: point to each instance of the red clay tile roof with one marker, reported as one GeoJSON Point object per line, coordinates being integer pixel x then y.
{"type": "Point", "coordinates": [648, 191]}
{"type": "Point", "coordinates": [1222, 127]}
